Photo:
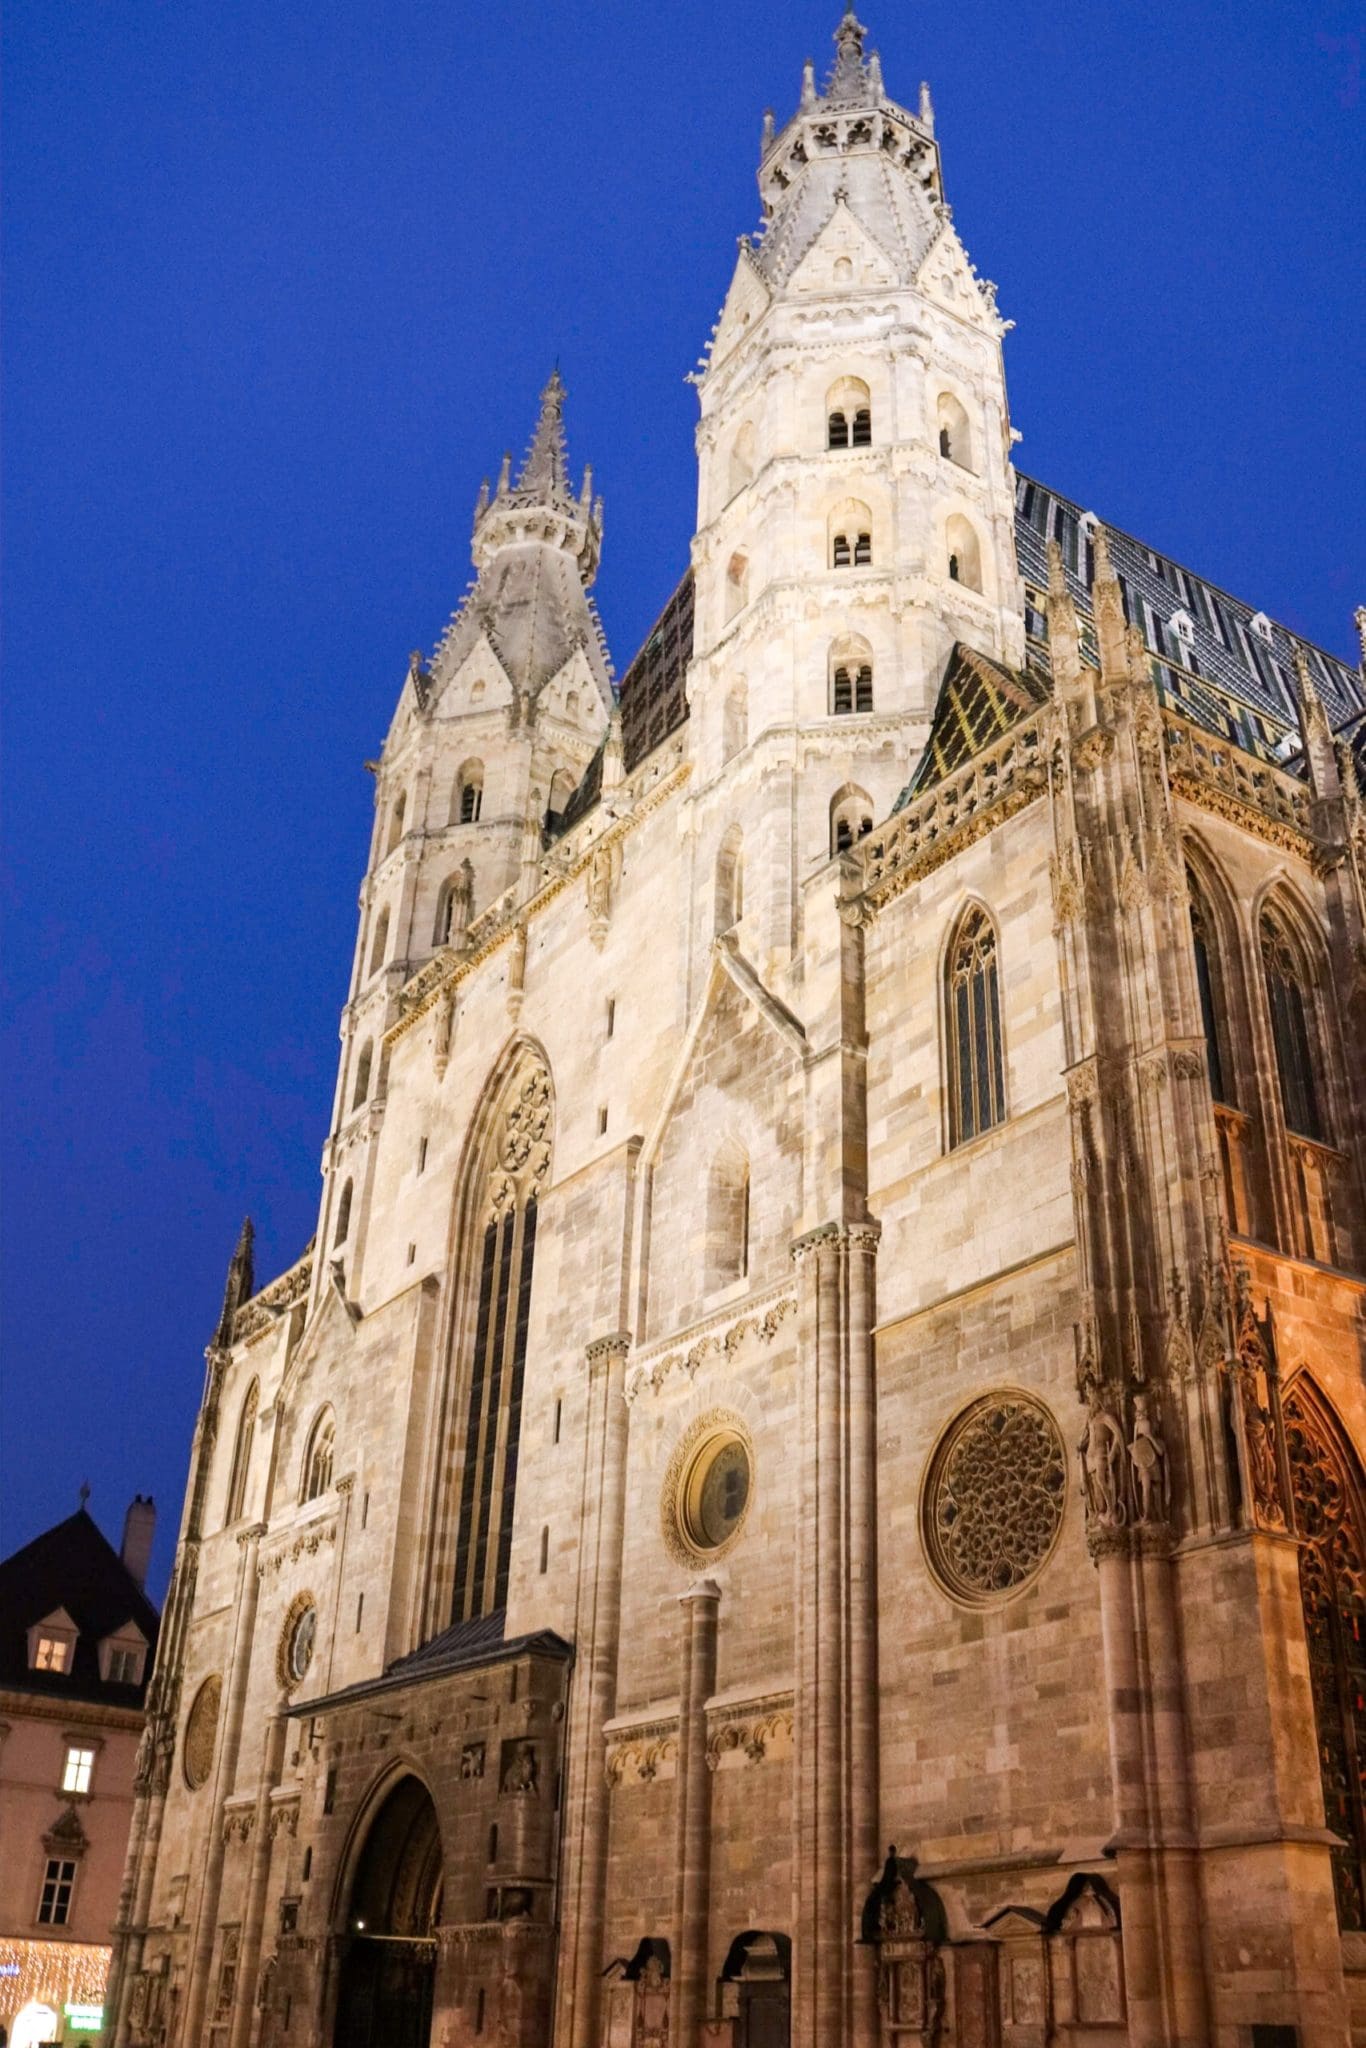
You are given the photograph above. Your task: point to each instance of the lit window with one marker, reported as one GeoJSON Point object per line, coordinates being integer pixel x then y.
{"type": "Point", "coordinates": [77, 1770]}
{"type": "Point", "coordinates": [53, 1653]}
{"type": "Point", "coordinates": [54, 1906]}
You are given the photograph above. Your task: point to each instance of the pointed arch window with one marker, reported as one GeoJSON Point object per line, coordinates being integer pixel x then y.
{"type": "Point", "coordinates": [728, 1220]}
{"type": "Point", "coordinates": [849, 414]}
{"type": "Point", "coordinates": [361, 1093]}
{"type": "Point", "coordinates": [851, 818]}
{"type": "Point", "coordinates": [343, 1229]}
{"type": "Point", "coordinates": [396, 823]}
{"type": "Point", "coordinates": [976, 1065]}
{"type": "Point", "coordinates": [1289, 996]}
{"type": "Point", "coordinates": [730, 881]}
{"type": "Point", "coordinates": [504, 1257]}
{"type": "Point", "coordinates": [1330, 1519]}
{"type": "Point", "coordinates": [955, 442]}
{"type": "Point", "coordinates": [381, 945]}
{"type": "Point", "coordinates": [318, 1457]}
{"type": "Point", "coordinates": [1209, 983]}
{"type": "Point", "coordinates": [241, 1454]}
{"type": "Point", "coordinates": [469, 794]}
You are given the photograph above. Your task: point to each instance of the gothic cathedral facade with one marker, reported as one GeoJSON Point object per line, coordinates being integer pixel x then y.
{"type": "Point", "coordinates": [809, 1490]}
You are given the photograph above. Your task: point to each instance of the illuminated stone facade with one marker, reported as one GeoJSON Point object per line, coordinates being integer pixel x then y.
{"type": "Point", "coordinates": [837, 1311]}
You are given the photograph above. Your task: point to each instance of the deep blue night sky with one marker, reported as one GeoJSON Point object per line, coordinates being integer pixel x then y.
{"type": "Point", "coordinates": [282, 283]}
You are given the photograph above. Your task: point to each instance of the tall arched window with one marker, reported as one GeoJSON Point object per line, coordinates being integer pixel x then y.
{"type": "Point", "coordinates": [1330, 1520]}
{"type": "Point", "coordinates": [454, 905]}
{"type": "Point", "coordinates": [848, 414]}
{"type": "Point", "coordinates": [317, 1476]}
{"type": "Point", "coordinates": [363, 1064]}
{"type": "Point", "coordinates": [851, 676]}
{"type": "Point", "coordinates": [734, 722]}
{"type": "Point", "coordinates": [381, 943]}
{"type": "Point", "coordinates": [741, 460]}
{"type": "Point", "coordinates": [499, 1256]}
{"type": "Point", "coordinates": [737, 585]}
{"type": "Point", "coordinates": [728, 1222]}
{"type": "Point", "coordinates": [964, 552]}
{"type": "Point", "coordinates": [468, 799]}
{"type": "Point", "coordinates": [851, 818]}
{"type": "Point", "coordinates": [1209, 981]}
{"type": "Point", "coordinates": [955, 442]}
{"type": "Point", "coordinates": [343, 1229]}
{"type": "Point", "coordinates": [1289, 996]}
{"type": "Point", "coordinates": [730, 880]}
{"type": "Point", "coordinates": [976, 1065]}
{"type": "Point", "coordinates": [241, 1454]}
{"type": "Point", "coordinates": [396, 823]}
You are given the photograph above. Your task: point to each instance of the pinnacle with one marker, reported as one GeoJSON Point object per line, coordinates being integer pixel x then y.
{"type": "Point", "coordinates": [849, 80]}
{"type": "Point", "coordinates": [545, 470]}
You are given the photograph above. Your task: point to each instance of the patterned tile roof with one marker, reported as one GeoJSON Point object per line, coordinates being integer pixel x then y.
{"type": "Point", "coordinates": [1216, 659]}
{"type": "Point", "coordinates": [978, 701]}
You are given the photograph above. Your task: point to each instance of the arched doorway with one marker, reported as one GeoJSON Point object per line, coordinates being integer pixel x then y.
{"type": "Point", "coordinates": [388, 1970]}
{"type": "Point", "coordinates": [756, 1989]}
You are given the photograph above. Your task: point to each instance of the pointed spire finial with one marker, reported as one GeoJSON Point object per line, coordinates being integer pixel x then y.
{"type": "Point", "coordinates": [1359, 621]}
{"type": "Point", "coordinates": [926, 106]}
{"type": "Point", "coordinates": [546, 468]}
{"type": "Point", "coordinates": [849, 79]}
{"type": "Point", "coordinates": [240, 1285]}
{"type": "Point", "coordinates": [85, 1493]}
{"type": "Point", "coordinates": [1315, 728]}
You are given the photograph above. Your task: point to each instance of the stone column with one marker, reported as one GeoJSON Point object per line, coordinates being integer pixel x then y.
{"type": "Point", "coordinates": [1171, 1819]}
{"type": "Point", "coordinates": [253, 1916]}
{"type": "Point", "coordinates": [836, 1767]}
{"type": "Point", "coordinates": [599, 1622]}
{"type": "Point", "coordinates": [692, 1838]}
{"type": "Point", "coordinates": [229, 1741]}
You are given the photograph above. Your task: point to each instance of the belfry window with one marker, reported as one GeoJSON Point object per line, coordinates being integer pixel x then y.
{"type": "Point", "coordinates": [964, 553]}
{"type": "Point", "coordinates": [850, 528]}
{"type": "Point", "coordinates": [469, 794]}
{"type": "Point", "coordinates": [975, 1064]}
{"type": "Point", "coordinates": [1290, 999]}
{"type": "Point", "coordinates": [848, 414]}
{"type": "Point", "coordinates": [955, 443]}
{"type": "Point", "coordinates": [504, 1256]}
{"type": "Point", "coordinates": [343, 1229]}
{"type": "Point", "coordinates": [851, 818]}
{"type": "Point", "coordinates": [1211, 1007]}
{"type": "Point", "coordinates": [851, 688]}
{"type": "Point", "coordinates": [363, 1066]}
{"type": "Point", "coordinates": [381, 945]}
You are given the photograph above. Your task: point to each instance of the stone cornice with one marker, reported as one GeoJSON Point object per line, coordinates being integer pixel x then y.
{"type": "Point", "coordinates": [760, 1315]}
{"type": "Point", "coordinates": [863, 1236]}
{"type": "Point", "coordinates": [77, 1713]}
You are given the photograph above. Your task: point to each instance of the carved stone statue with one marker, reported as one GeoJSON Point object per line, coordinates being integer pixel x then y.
{"type": "Point", "coordinates": [1101, 1450]}
{"type": "Point", "coordinates": [1259, 1437]}
{"type": "Point", "coordinates": [522, 1774]}
{"type": "Point", "coordinates": [1152, 1473]}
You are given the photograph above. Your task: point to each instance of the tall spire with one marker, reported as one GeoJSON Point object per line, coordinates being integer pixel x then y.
{"type": "Point", "coordinates": [545, 469]}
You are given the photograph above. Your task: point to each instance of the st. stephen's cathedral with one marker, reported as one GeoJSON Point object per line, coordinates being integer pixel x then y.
{"type": "Point", "coordinates": [809, 1486]}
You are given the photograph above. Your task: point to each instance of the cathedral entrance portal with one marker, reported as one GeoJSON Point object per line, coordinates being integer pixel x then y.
{"type": "Point", "coordinates": [756, 1990]}
{"type": "Point", "coordinates": [388, 1967]}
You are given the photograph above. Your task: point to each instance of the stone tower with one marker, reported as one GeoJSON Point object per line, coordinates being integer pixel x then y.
{"type": "Point", "coordinates": [487, 744]}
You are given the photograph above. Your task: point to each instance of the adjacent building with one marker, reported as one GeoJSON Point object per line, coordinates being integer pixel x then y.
{"type": "Point", "coordinates": [77, 1638]}
{"type": "Point", "coordinates": [809, 1486]}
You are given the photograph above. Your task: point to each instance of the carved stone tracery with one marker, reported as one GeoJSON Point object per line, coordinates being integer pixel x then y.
{"type": "Point", "coordinates": [994, 1498]}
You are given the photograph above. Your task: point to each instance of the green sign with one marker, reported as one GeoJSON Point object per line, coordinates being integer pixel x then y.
{"type": "Point", "coordinates": [84, 2019]}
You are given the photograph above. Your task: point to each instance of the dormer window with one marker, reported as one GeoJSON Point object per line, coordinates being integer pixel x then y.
{"type": "Point", "coordinates": [1262, 627]}
{"type": "Point", "coordinates": [52, 1643]}
{"type": "Point", "coordinates": [122, 1656]}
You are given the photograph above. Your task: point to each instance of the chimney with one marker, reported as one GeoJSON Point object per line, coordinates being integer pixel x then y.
{"type": "Point", "coordinates": [139, 1525]}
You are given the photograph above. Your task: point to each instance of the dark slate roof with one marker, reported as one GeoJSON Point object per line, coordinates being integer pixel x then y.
{"type": "Point", "coordinates": [978, 700]}
{"type": "Point", "coordinates": [464, 1646]}
{"type": "Point", "coordinates": [71, 1566]}
{"type": "Point", "coordinates": [651, 694]}
{"type": "Point", "coordinates": [1229, 676]}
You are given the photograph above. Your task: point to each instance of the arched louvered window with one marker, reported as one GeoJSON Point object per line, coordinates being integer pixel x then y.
{"type": "Point", "coordinates": [851, 818]}
{"type": "Point", "coordinates": [381, 944]}
{"type": "Point", "coordinates": [499, 1265]}
{"type": "Point", "coordinates": [848, 414]}
{"type": "Point", "coordinates": [1330, 1520]}
{"type": "Point", "coordinates": [361, 1092]}
{"type": "Point", "coordinates": [241, 1454]}
{"type": "Point", "coordinates": [343, 1229]}
{"type": "Point", "coordinates": [396, 823]}
{"type": "Point", "coordinates": [1289, 999]}
{"type": "Point", "coordinates": [469, 794]}
{"type": "Point", "coordinates": [976, 1064]}
{"type": "Point", "coordinates": [318, 1457]}
{"type": "Point", "coordinates": [1210, 984]}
